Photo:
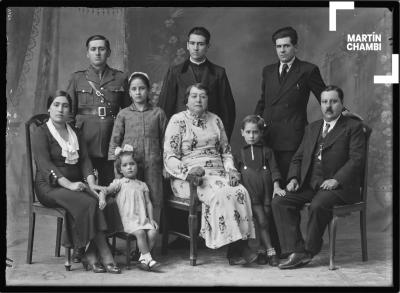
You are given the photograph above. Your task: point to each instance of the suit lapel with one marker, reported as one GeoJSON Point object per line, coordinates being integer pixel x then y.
{"type": "Point", "coordinates": [107, 76]}
{"type": "Point", "coordinates": [335, 133]}
{"type": "Point", "coordinates": [315, 132]}
{"type": "Point", "coordinates": [291, 78]}
{"type": "Point", "coordinates": [275, 84]}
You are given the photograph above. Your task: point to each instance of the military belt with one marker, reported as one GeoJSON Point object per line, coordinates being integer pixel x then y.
{"type": "Point", "coordinates": [101, 112]}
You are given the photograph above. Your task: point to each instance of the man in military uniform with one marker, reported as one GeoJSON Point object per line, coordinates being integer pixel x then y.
{"type": "Point", "coordinates": [98, 93]}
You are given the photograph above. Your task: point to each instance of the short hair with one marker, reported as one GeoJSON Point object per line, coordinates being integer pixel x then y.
{"type": "Point", "coordinates": [285, 32]}
{"type": "Point", "coordinates": [257, 120]}
{"type": "Point", "coordinates": [141, 75]}
{"type": "Point", "coordinates": [335, 88]}
{"type": "Point", "coordinates": [59, 93]}
{"type": "Point", "coordinates": [117, 162]}
{"type": "Point", "coordinates": [199, 86]}
{"type": "Point", "coordinates": [98, 37]}
{"type": "Point", "coordinates": [202, 31]}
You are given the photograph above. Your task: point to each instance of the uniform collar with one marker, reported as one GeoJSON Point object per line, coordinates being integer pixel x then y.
{"type": "Point", "coordinates": [207, 63]}
{"type": "Point", "coordinates": [258, 144]}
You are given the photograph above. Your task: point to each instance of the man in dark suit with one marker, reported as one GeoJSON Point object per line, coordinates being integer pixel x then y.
{"type": "Point", "coordinates": [325, 171]}
{"type": "Point", "coordinates": [286, 87]}
{"type": "Point", "coordinates": [198, 69]}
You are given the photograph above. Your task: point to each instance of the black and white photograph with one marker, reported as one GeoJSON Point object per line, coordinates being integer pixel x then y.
{"type": "Point", "coordinates": [201, 146]}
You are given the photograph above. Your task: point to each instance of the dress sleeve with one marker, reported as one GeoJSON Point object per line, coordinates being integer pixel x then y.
{"type": "Point", "coordinates": [41, 154]}
{"type": "Point", "coordinates": [224, 147]}
{"type": "Point", "coordinates": [117, 135]}
{"type": "Point", "coordinates": [173, 148]}
{"type": "Point", "coordinates": [114, 186]}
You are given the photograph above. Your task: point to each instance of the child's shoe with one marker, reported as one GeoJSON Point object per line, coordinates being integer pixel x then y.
{"type": "Point", "coordinates": [273, 260]}
{"type": "Point", "coordinates": [153, 264]}
{"type": "Point", "coordinates": [262, 258]}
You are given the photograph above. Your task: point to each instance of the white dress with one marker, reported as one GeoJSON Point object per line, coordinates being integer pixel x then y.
{"type": "Point", "coordinates": [131, 203]}
{"type": "Point", "coordinates": [201, 141]}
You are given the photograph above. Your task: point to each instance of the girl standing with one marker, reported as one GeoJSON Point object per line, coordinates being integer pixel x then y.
{"type": "Point", "coordinates": [142, 126]}
{"type": "Point", "coordinates": [260, 176]}
{"type": "Point", "coordinates": [134, 205]}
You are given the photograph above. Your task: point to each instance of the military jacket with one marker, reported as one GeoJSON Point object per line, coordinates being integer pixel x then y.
{"type": "Point", "coordinates": [95, 108]}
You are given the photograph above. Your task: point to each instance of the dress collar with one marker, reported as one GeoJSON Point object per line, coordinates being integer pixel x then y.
{"type": "Point", "coordinates": [147, 106]}
{"type": "Point", "coordinates": [199, 121]}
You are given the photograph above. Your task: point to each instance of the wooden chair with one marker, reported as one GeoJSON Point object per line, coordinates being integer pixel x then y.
{"type": "Point", "coordinates": [346, 210]}
{"type": "Point", "coordinates": [192, 206]}
{"type": "Point", "coordinates": [128, 238]}
{"type": "Point", "coordinates": [35, 207]}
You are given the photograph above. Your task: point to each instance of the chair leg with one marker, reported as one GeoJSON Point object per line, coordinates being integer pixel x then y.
{"type": "Point", "coordinates": [332, 241]}
{"type": "Point", "coordinates": [58, 237]}
{"type": "Point", "coordinates": [164, 240]}
{"type": "Point", "coordinates": [363, 228]}
{"type": "Point", "coordinates": [193, 238]}
{"type": "Point", "coordinates": [114, 244]}
{"type": "Point", "coordinates": [67, 259]}
{"type": "Point", "coordinates": [31, 235]}
{"type": "Point", "coordinates": [128, 252]}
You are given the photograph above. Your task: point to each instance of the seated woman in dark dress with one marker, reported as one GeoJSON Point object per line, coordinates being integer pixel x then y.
{"type": "Point", "coordinates": [62, 166]}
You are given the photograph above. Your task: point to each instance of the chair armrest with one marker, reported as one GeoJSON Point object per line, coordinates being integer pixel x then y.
{"type": "Point", "coordinates": [194, 181]}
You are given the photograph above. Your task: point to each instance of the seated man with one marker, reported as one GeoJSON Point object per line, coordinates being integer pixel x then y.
{"type": "Point", "coordinates": [325, 171]}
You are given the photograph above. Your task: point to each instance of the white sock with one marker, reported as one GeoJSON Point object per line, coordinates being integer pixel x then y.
{"type": "Point", "coordinates": [146, 257]}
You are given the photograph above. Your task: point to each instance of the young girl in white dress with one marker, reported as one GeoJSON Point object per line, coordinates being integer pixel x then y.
{"type": "Point", "coordinates": [134, 204]}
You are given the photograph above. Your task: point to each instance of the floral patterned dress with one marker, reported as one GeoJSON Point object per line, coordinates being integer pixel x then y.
{"type": "Point", "coordinates": [192, 141]}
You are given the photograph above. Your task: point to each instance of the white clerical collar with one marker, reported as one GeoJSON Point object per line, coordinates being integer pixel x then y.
{"type": "Point", "coordinates": [289, 64]}
{"type": "Point", "coordinates": [331, 123]}
{"type": "Point", "coordinates": [196, 62]}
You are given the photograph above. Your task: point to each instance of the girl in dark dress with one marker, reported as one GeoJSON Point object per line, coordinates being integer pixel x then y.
{"type": "Point", "coordinates": [63, 165]}
{"type": "Point", "coordinates": [260, 176]}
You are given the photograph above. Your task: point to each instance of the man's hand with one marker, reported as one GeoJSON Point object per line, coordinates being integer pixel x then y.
{"type": "Point", "coordinates": [278, 191]}
{"type": "Point", "coordinates": [293, 185]}
{"type": "Point", "coordinates": [197, 171]}
{"type": "Point", "coordinates": [234, 177]}
{"type": "Point", "coordinates": [329, 184]}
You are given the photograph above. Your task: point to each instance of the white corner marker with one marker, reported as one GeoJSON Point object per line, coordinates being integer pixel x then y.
{"type": "Point", "coordinates": [390, 79]}
{"type": "Point", "coordinates": [333, 6]}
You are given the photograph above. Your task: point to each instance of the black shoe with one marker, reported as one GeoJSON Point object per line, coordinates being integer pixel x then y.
{"type": "Point", "coordinates": [273, 260]}
{"type": "Point", "coordinates": [112, 268]}
{"type": "Point", "coordinates": [295, 260]}
{"type": "Point", "coordinates": [78, 254]}
{"type": "Point", "coordinates": [95, 267]}
{"type": "Point", "coordinates": [262, 259]}
{"type": "Point", "coordinates": [236, 260]}
{"type": "Point", "coordinates": [249, 255]}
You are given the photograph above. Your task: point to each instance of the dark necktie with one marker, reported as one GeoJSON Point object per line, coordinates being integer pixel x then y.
{"type": "Point", "coordinates": [285, 68]}
{"type": "Point", "coordinates": [326, 128]}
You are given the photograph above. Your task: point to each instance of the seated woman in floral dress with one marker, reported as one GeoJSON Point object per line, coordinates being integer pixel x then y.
{"type": "Point", "coordinates": [196, 143]}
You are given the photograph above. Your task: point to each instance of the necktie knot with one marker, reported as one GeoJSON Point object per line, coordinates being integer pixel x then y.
{"type": "Point", "coordinates": [326, 128]}
{"type": "Point", "coordinates": [284, 71]}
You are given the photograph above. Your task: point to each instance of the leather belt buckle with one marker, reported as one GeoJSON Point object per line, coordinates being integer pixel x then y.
{"type": "Point", "coordinates": [101, 111]}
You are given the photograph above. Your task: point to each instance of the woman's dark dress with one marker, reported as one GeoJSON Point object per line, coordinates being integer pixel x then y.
{"type": "Point", "coordinates": [84, 218]}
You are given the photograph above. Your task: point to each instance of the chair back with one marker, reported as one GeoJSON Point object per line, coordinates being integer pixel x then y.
{"type": "Point", "coordinates": [367, 132]}
{"type": "Point", "coordinates": [36, 120]}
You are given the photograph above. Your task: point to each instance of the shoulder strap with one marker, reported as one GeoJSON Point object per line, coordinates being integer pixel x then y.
{"type": "Point", "coordinates": [99, 94]}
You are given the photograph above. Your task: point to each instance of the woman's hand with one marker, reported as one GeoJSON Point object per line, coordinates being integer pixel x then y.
{"type": "Point", "coordinates": [77, 186]}
{"type": "Point", "coordinates": [102, 200]}
{"type": "Point", "coordinates": [154, 223]}
{"type": "Point", "coordinates": [197, 171]}
{"type": "Point", "coordinates": [278, 191]}
{"type": "Point", "coordinates": [97, 188]}
{"type": "Point", "coordinates": [234, 177]}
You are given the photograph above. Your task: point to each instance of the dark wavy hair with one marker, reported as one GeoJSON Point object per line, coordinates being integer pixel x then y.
{"type": "Point", "coordinates": [98, 37]}
{"type": "Point", "coordinates": [201, 31]}
{"type": "Point", "coordinates": [335, 88]}
{"type": "Point", "coordinates": [59, 93]}
{"type": "Point", "coordinates": [199, 86]}
{"type": "Point", "coordinates": [285, 32]}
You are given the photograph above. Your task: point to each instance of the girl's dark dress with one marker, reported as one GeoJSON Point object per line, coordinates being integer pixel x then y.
{"type": "Point", "coordinates": [84, 218]}
{"type": "Point", "coordinates": [259, 170]}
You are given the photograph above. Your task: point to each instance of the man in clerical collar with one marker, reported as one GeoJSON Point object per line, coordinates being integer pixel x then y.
{"type": "Point", "coordinates": [198, 69]}
{"type": "Point", "coordinates": [98, 93]}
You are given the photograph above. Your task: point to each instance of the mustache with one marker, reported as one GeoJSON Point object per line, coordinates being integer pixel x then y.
{"type": "Point", "coordinates": [329, 110]}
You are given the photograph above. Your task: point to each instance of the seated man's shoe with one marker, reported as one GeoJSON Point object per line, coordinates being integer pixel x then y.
{"type": "Point", "coordinates": [236, 260]}
{"type": "Point", "coordinates": [78, 254]}
{"type": "Point", "coordinates": [273, 260]}
{"type": "Point", "coordinates": [249, 255]}
{"type": "Point", "coordinates": [296, 259]}
{"type": "Point", "coordinates": [262, 258]}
